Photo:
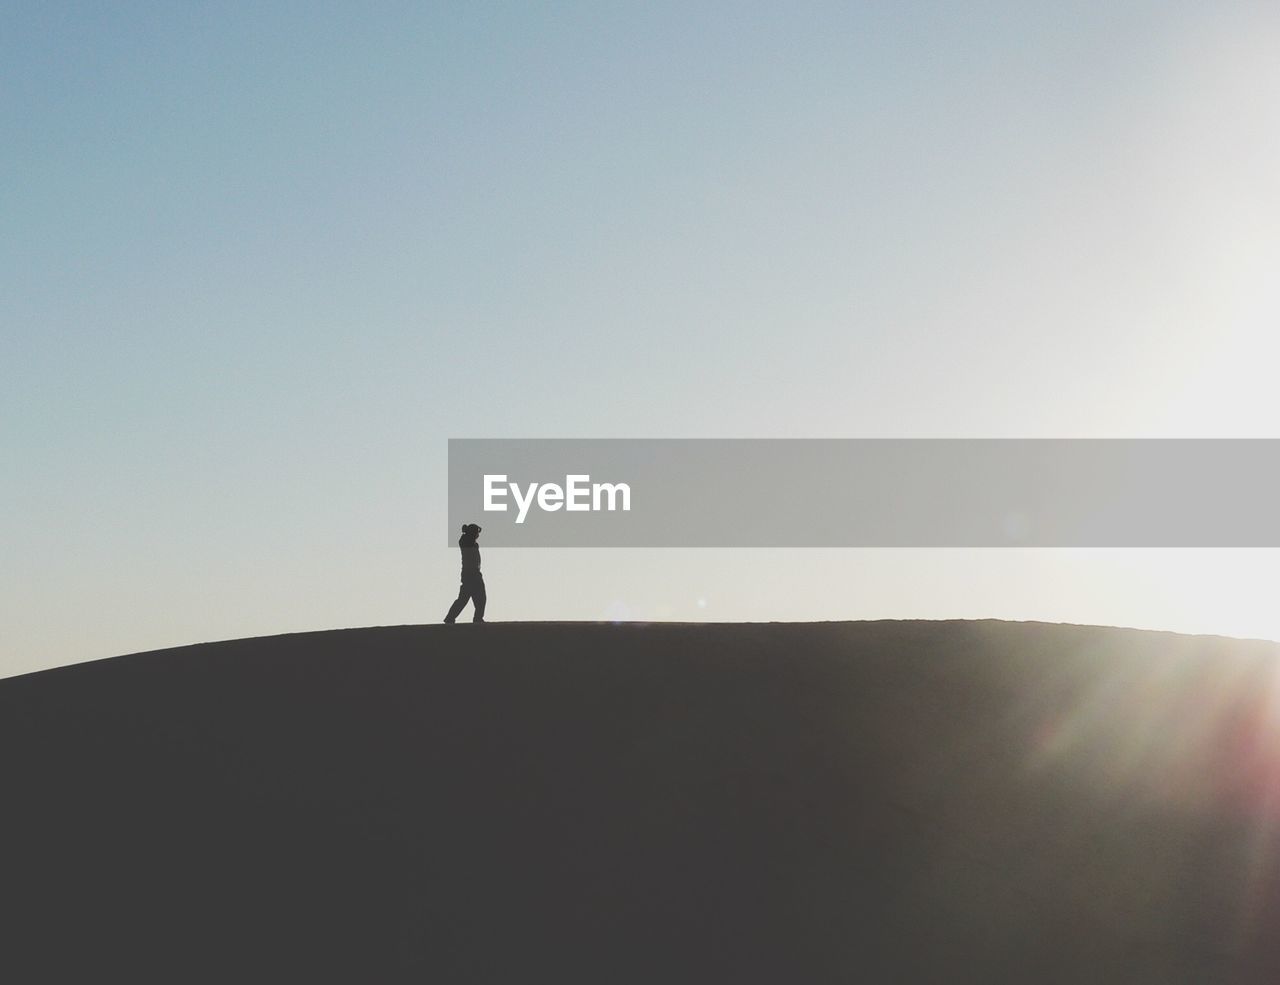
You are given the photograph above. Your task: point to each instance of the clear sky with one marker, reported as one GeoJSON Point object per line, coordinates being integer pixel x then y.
{"type": "Point", "coordinates": [259, 261]}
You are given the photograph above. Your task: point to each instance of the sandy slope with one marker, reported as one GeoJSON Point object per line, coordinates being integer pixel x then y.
{"type": "Point", "coordinates": [841, 802]}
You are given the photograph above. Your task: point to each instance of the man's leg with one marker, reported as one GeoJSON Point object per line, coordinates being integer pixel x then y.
{"type": "Point", "coordinates": [479, 598]}
{"type": "Point", "coordinates": [464, 596]}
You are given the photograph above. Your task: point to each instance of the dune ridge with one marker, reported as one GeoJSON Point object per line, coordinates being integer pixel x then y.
{"type": "Point", "coordinates": [886, 801]}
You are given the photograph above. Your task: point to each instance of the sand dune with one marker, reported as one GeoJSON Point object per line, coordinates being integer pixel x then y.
{"type": "Point", "coordinates": [811, 803]}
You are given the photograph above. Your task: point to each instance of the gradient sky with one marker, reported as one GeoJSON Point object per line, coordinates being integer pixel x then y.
{"type": "Point", "coordinates": [259, 261]}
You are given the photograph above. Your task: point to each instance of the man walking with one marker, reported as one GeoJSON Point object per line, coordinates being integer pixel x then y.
{"type": "Point", "coordinates": [472, 588]}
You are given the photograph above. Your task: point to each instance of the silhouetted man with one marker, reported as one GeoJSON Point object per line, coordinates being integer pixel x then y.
{"type": "Point", "coordinates": [472, 588]}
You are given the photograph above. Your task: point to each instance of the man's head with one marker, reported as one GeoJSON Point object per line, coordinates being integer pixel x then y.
{"type": "Point", "coordinates": [471, 529]}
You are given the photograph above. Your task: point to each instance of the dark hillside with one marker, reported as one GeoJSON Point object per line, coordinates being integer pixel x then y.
{"type": "Point", "coordinates": [842, 802]}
